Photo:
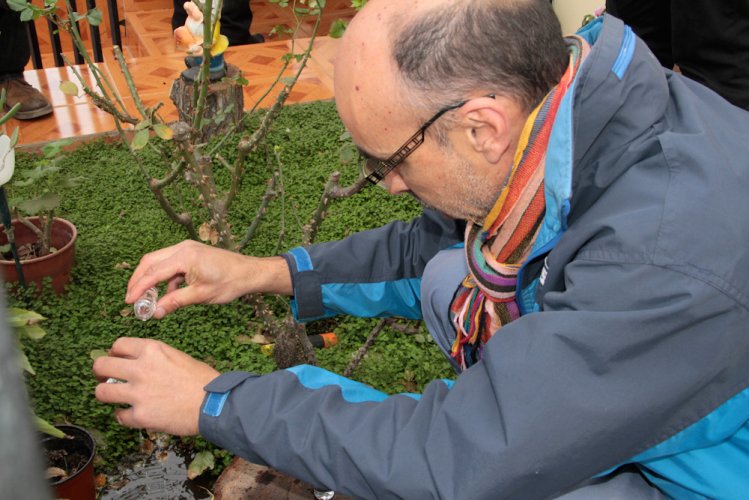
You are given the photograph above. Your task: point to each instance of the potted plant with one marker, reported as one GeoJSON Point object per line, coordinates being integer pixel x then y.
{"type": "Point", "coordinates": [69, 450]}
{"type": "Point", "coordinates": [44, 244]}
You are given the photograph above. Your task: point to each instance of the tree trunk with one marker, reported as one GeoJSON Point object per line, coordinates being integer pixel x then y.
{"type": "Point", "coordinates": [224, 105]}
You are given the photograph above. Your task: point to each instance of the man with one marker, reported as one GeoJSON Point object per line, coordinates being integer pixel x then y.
{"type": "Point", "coordinates": [14, 56]}
{"type": "Point", "coordinates": [598, 314]}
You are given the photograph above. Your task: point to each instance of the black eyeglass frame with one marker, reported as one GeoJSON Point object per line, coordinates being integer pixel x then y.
{"type": "Point", "coordinates": [383, 167]}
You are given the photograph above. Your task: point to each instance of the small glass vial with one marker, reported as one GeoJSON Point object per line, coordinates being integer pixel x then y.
{"type": "Point", "coordinates": [145, 306]}
{"type": "Point", "coordinates": [324, 495]}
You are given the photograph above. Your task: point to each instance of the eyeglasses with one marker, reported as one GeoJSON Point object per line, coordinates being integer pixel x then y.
{"type": "Point", "coordinates": [376, 170]}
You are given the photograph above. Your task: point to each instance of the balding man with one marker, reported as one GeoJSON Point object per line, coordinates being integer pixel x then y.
{"type": "Point", "coordinates": [583, 266]}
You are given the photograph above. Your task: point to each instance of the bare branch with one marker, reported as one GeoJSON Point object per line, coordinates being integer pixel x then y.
{"type": "Point", "coordinates": [359, 356]}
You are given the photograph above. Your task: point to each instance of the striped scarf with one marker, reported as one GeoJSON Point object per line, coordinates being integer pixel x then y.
{"type": "Point", "coordinates": [495, 251]}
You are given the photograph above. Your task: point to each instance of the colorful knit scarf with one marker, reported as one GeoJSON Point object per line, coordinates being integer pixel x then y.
{"type": "Point", "coordinates": [495, 251]}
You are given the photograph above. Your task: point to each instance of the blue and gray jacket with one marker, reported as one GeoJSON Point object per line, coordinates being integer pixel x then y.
{"type": "Point", "coordinates": [634, 343]}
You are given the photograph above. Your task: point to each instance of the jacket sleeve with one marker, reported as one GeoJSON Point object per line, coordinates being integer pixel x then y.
{"type": "Point", "coordinates": [610, 368]}
{"type": "Point", "coordinates": [373, 273]}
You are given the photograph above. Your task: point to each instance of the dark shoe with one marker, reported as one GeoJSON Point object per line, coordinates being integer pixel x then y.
{"type": "Point", "coordinates": [257, 38]}
{"type": "Point", "coordinates": [33, 102]}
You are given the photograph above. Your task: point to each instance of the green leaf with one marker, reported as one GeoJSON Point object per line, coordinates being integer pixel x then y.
{"type": "Point", "coordinates": [203, 461]}
{"type": "Point", "coordinates": [70, 182]}
{"type": "Point", "coordinates": [43, 203]}
{"type": "Point", "coordinates": [34, 332]}
{"type": "Point", "coordinates": [48, 428]}
{"type": "Point", "coordinates": [54, 148]}
{"type": "Point", "coordinates": [337, 28]}
{"type": "Point", "coordinates": [25, 365]}
{"type": "Point", "coordinates": [17, 5]}
{"type": "Point", "coordinates": [143, 124]}
{"type": "Point", "coordinates": [140, 140]}
{"type": "Point", "coordinates": [69, 88]}
{"type": "Point", "coordinates": [27, 15]}
{"type": "Point", "coordinates": [348, 154]}
{"type": "Point", "coordinates": [94, 17]}
{"type": "Point", "coordinates": [165, 132]}
{"type": "Point", "coordinates": [20, 317]}
{"type": "Point", "coordinates": [97, 353]}
{"type": "Point", "coordinates": [14, 137]}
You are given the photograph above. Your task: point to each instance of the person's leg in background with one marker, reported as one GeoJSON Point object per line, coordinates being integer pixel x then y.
{"type": "Point", "coordinates": [236, 19]}
{"type": "Point", "coordinates": [651, 21]}
{"type": "Point", "coordinates": [14, 55]}
{"type": "Point", "coordinates": [711, 45]}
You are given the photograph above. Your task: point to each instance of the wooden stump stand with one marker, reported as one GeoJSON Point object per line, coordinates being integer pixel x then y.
{"type": "Point", "coordinates": [224, 104]}
{"type": "Point", "coordinates": [244, 480]}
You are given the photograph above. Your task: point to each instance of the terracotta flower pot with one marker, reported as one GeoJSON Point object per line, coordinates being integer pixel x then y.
{"type": "Point", "coordinates": [56, 265]}
{"type": "Point", "coordinates": [77, 453]}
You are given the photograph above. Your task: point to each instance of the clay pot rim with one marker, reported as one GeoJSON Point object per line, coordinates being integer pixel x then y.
{"type": "Point", "coordinates": [65, 247]}
{"type": "Point", "coordinates": [85, 433]}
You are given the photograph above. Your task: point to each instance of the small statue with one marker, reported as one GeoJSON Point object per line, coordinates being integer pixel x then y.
{"type": "Point", "coordinates": [190, 37]}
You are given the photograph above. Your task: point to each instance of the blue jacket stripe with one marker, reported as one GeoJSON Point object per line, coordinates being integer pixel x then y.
{"type": "Point", "coordinates": [313, 377]}
{"type": "Point", "coordinates": [700, 461]}
{"type": "Point", "coordinates": [368, 300]}
{"type": "Point", "coordinates": [302, 259]}
{"type": "Point", "coordinates": [625, 54]}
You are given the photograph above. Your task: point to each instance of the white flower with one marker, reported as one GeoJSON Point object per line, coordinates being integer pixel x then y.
{"type": "Point", "coordinates": [7, 159]}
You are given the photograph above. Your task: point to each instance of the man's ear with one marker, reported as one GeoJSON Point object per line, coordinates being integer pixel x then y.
{"type": "Point", "coordinates": [485, 123]}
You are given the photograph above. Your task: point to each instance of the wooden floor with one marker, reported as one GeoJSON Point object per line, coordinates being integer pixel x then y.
{"type": "Point", "coordinates": [155, 62]}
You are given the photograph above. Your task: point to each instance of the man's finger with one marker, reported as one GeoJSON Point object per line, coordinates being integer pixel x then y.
{"type": "Point", "coordinates": [173, 300]}
{"type": "Point", "coordinates": [113, 393]}
{"type": "Point", "coordinates": [147, 261]}
{"type": "Point", "coordinates": [174, 283]}
{"type": "Point", "coordinates": [126, 417]}
{"type": "Point", "coordinates": [154, 268]}
{"type": "Point", "coordinates": [128, 347]}
{"type": "Point", "coordinates": [114, 367]}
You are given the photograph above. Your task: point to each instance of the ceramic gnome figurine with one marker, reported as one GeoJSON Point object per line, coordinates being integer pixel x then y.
{"type": "Point", "coordinates": [190, 37]}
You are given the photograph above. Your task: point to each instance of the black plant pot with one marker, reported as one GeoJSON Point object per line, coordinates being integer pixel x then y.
{"type": "Point", "coordinates": [77, 452]}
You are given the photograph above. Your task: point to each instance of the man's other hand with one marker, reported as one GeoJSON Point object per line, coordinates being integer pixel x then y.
{"type": "Point", "coordinates": [162, 386]}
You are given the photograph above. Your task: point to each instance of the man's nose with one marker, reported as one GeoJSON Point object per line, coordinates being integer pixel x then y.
{"type": "Point", "coordinates": [394, 183]}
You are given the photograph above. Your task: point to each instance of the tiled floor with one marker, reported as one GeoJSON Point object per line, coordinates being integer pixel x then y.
{"type": "Point", "coordinates": [154, 63]}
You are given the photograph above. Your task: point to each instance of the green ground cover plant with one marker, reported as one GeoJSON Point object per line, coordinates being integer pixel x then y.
{"type": "Point", "coordinates": [119, 220]}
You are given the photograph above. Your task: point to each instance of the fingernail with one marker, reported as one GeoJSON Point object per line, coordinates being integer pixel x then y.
{"type": "Point", "coordinates": [159, 313]}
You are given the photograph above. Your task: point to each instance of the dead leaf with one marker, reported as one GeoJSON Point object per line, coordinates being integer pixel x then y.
{"type": "Point", "coordinates": [56, 472]}
{"type": "Point", "coordinates": [126, 312]}
{"type": "Point", "coordinates": [123, 265]}
{"type": "Point", "coordinates": [203, 461]}
{"type": "Point", "coordinates": [147, 447]}
{"type": "Point", "coordinates": [255, 339]}
{"type": "Point", "coordinates": [207, 232]}
{"type": "Point", "coordinates": [100, 480]}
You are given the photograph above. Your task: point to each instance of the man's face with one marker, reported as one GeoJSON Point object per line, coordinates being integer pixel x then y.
{"type": "Point", "coordinates": [440, 177]}
{"type": "Point", "coordinates": [448, 177]}
{"type": "Point", "coordinates": [374, 106]}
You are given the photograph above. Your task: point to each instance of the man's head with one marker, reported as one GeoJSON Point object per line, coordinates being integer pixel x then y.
{"type": "Point", "coordinates": [402, 62]}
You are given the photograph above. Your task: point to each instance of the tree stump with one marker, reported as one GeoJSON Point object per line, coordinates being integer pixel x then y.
{"type": "Point", "coordinates": [243, 480]}
{"type": "Point", "coordinates": [224, 104]}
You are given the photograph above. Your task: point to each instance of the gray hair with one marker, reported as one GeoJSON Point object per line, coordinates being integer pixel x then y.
{"type": "Point", "coordinates": [512, 48]}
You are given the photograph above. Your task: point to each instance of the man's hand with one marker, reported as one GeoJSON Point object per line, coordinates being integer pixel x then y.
{"type": "Point", "coordinates": [210, 275]}
{"type": "Point", "coordinates": [163, 386]}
